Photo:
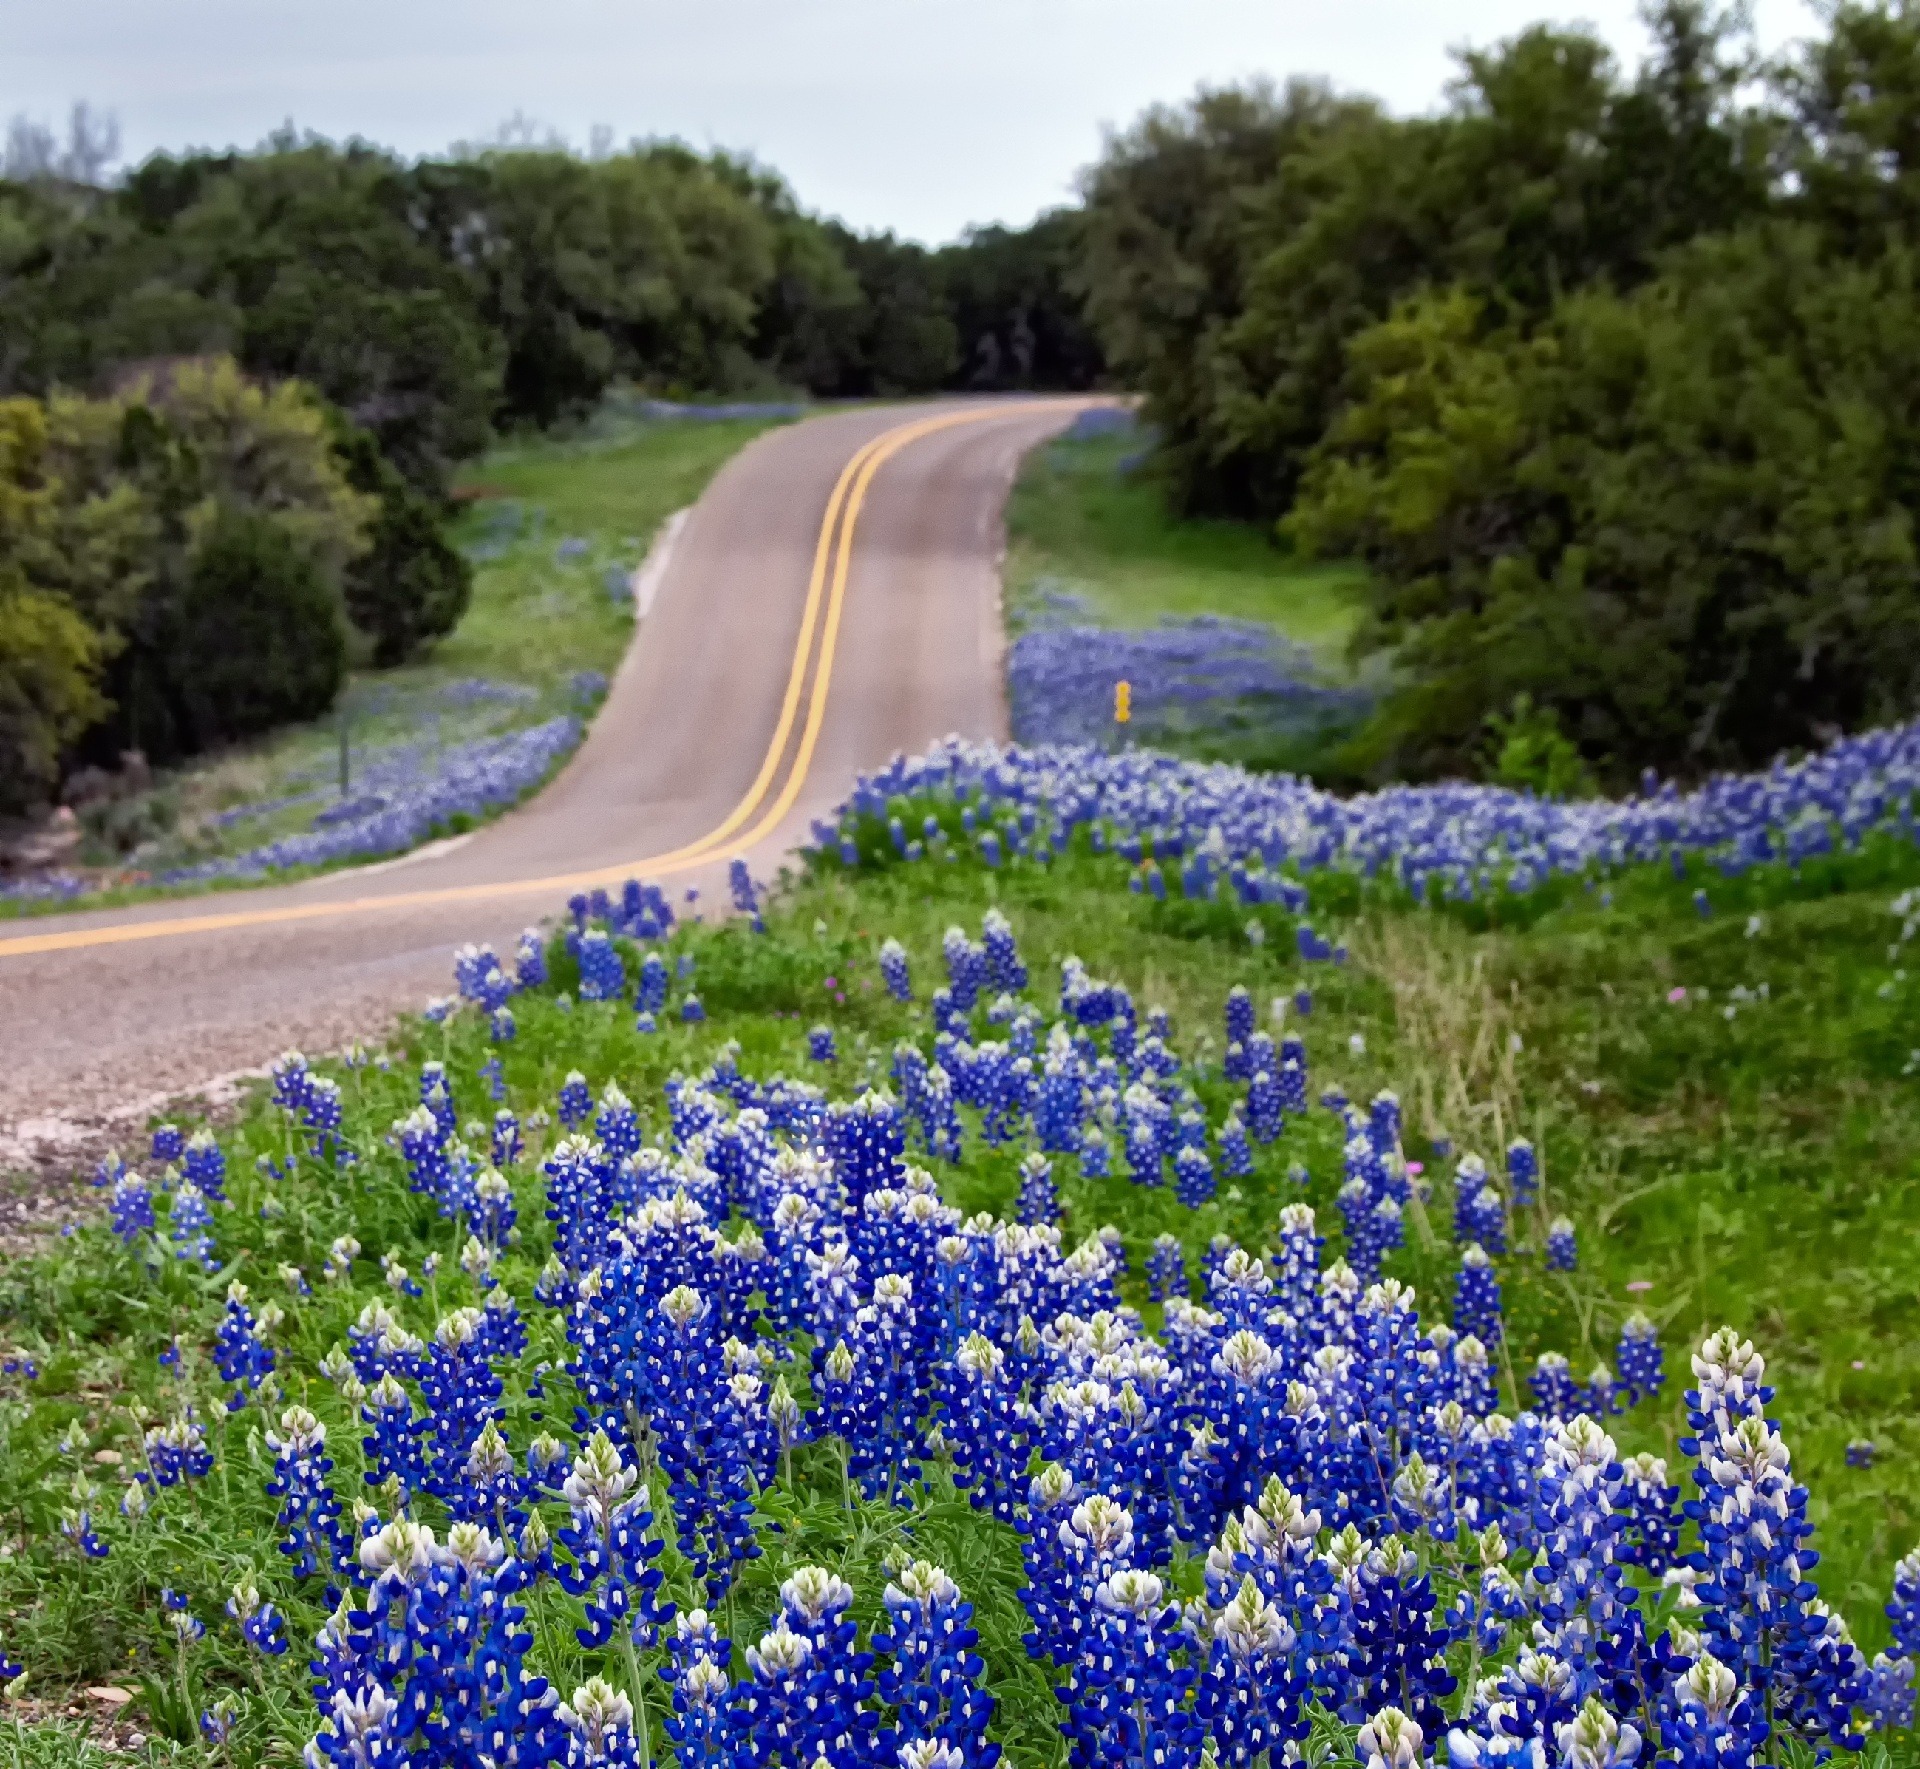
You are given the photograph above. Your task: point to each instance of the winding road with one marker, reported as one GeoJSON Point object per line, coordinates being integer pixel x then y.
{"type": "Point", "coordinates": [832, 599]}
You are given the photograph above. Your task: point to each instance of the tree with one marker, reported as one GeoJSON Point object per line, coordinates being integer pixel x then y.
{"type": "Point", "coordinates": [259, 639]}
{"type": "Point", "coordinates": [409, 586]}
{"type": "Point", "coordinates": [1680, 520]}
{"type": "Point", "coordinates": [49, 656]}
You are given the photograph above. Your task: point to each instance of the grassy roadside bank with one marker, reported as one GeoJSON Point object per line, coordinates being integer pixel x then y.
{"type": "Point", "coordinates": [1723, 1107]}
{"type": "Point", "coordinates": [1233, 650]}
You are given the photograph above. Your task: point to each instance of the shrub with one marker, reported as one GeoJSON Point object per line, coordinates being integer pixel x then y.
{"type": "Point", "coordinates": [409, 586]}
{"type": "Point", "coordinates": [260, 639]}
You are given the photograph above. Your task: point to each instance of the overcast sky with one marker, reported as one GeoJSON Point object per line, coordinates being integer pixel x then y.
{"type": "Point", "coordinates": [918, 115]}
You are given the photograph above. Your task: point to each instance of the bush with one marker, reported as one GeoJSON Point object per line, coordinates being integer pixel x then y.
{"type": "Point", "coordinates": [409, 586]}
{"type": "Point", "coordinates": [261, 639]}
{"type": "Point", "coordinates": [1680, 520]}
{"type": "Point", "coordinates": [49, 659]}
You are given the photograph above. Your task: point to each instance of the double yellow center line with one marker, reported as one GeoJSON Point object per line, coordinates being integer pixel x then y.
{"type": "Point", "coordinates": [808, 679]}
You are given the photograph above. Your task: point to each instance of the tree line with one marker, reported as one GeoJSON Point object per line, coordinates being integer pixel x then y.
{"type": "Point", "coordinates": [234, 389]}
{"type": "Point", "coordinates": [1611, 377]}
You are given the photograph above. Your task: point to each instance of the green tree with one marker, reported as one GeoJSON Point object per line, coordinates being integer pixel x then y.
{"type": "Point", "coordinates": [259, 639]}
{"type": "Point", "coordinates": [409, 586]}
{"type": "Point", "coordinates": [49, 656]}
{"type": "Point", "coordinates": [1681, 520]}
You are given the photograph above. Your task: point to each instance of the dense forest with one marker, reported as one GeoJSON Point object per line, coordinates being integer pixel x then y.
{"type": "Point", "coordinates": [1609, 374]}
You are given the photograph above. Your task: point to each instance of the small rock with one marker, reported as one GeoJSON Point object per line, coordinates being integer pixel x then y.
{"type": "Point", "coordinates": [109, 1458]}
{"type": "Point", "coordinates": [111, 1693]}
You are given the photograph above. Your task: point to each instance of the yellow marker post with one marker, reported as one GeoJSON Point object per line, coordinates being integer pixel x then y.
{"type": "Point", "coordinates": [1122, 702]}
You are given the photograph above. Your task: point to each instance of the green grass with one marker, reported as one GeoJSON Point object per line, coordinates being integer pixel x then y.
{"type": "Point", "coordinates": [535, 622]}
{"type": "Point", "coordinates": [1080, 521]}
{"type": "Point", "coordinates": [1756, 1170]}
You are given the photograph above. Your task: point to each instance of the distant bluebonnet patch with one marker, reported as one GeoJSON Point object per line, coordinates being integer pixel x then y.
{"type": "Point", "coordinates": [57, 887]}
{"type": "Point", "coordinates": [1100, 421]}
{"type": "Point", "coordinates": [404, 794]}
{"type": "Point", "coordinates": [479, 691]}
{"type": "Point", "coordinates": [500, 529]}
{"type": "Point", "coordinates": [1187, 675]}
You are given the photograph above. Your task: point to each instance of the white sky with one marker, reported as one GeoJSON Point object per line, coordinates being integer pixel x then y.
{"type": "Point", "coordinates": [918, 115]}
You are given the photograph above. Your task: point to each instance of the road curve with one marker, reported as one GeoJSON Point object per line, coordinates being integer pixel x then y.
{"type": "Point", "coordinates": [833, 599]}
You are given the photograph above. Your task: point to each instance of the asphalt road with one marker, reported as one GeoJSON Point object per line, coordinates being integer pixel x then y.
{"type": "Point", "coordinates": [719, 736]}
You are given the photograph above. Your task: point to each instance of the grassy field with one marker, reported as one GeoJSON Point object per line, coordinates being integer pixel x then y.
{"type": "Point", "coordinates": [1726, 1106]}
{"type": "Point", "coordinates": [1081, 521]}
{"type": "Point", "coordinates": [551, 524]}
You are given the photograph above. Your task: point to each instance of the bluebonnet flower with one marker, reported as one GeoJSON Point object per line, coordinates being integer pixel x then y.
{"type": "Point", "coordinates": [1640, 1361]}
{"type": "Point", "coordinates": [396, 1448]}
{"type": "Point", "coordinates": [986, 1426]}
{"type": "Point", "coordinates": [1252, 1690]}
{"type": "Point", "coordinates": [1523, 1173]}
{"type": "Point", "coordinates": [1193, 1177]}
{"type": "Point", "coordinates": [190, 1227]}
{"type": "Point", "coordinates": [600, 1727]}
{"type": "Point", "coordinates": [894, 972]}
{"type": "Point", "coordinates": [616, 1124]}
{"type": "Point", "coordinates": [530, 960]}
{"type": "Point", "coordinates": [238, 1353]}
{"type": "Point", "coordinates": [1395, 1642]}
{"type": "Point", "coordinates": [701, 1726]}
{"type": "Point", "coordinates": [260, 1623]}
{"type": "Point", "coordinates": [650, 996]}
{"type": "Point", "coordinates": [1554, 1390]}
{"type": "Point", "coordinates": [187, 1627]}
{"type": "Point", "coordinates": [1903, 1610]}
{"type": "Point", "coordinates": [931, 1675]}
{"type": "Point", "coordinates": [1059, 1099]}
{"type": "Point", "coordinates": [1096, 1158]}
{"type": "Point", "coordinates": [76, 1524]}
{"type": "Point", "coordinates": [131, 1209]}
{"type": "Point", "coordinates": [1127, 1692]}
{"type": "Point", "coordinates": [1476, 1297]}
{"type": "Point", "coordinates": [436, 1660]}
{"type": "Point", "coordinates": [1757, 1607]}
{"type": "Point", "coordinates": [699, 1439]}
{"type": "Point", "coordinates": [820, 1045]}
{"type": "Point", "coordinates": [603, 973]}
{"type": "Point", "coordinates": [508, 1145]}
{"type": "Point", "coordinates": [1479, 1212]}
{"type": "Point", "coordinates": [1240, 1022]}
{"type": "Point", "coordinates": [1166, 1269]}
{"type": "Point", "coordinates": [1264, 1115]}
{"type": "Point", "coordinates": [1236, 1153]}
{"type": "Point", "coordinates": [313, 1537]}
{"type": "Point", "coordinates": [1001, 955]}
{"type": "Point", "coordinates": [1650, 1507]}
{"type": "Point", "coordinates": [611, 1547]}
{"type": "Point", "coordinates": [691, 1012]}
{"type": "Point", "coordinates": [1037, 1201]}
{"type": "Point", "coordinates": [576, 1101]}
{"type": "Point", "coordinates": [216, 1722]}
{"type": "Point", "coordinates": [1563, 1252]}
{"type": "Point", "coordinates": [811, 1689]}
{"type": "Point", "coordinates": [1713, 1721]}
{"type": "Point", "coordinates": [205, 1165]}
{"type": "Point", "coordinates": [167, 1144]}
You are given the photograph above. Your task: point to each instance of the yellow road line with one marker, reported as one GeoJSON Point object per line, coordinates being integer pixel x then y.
{"type": "Point", "coordinates": [838, 524]}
